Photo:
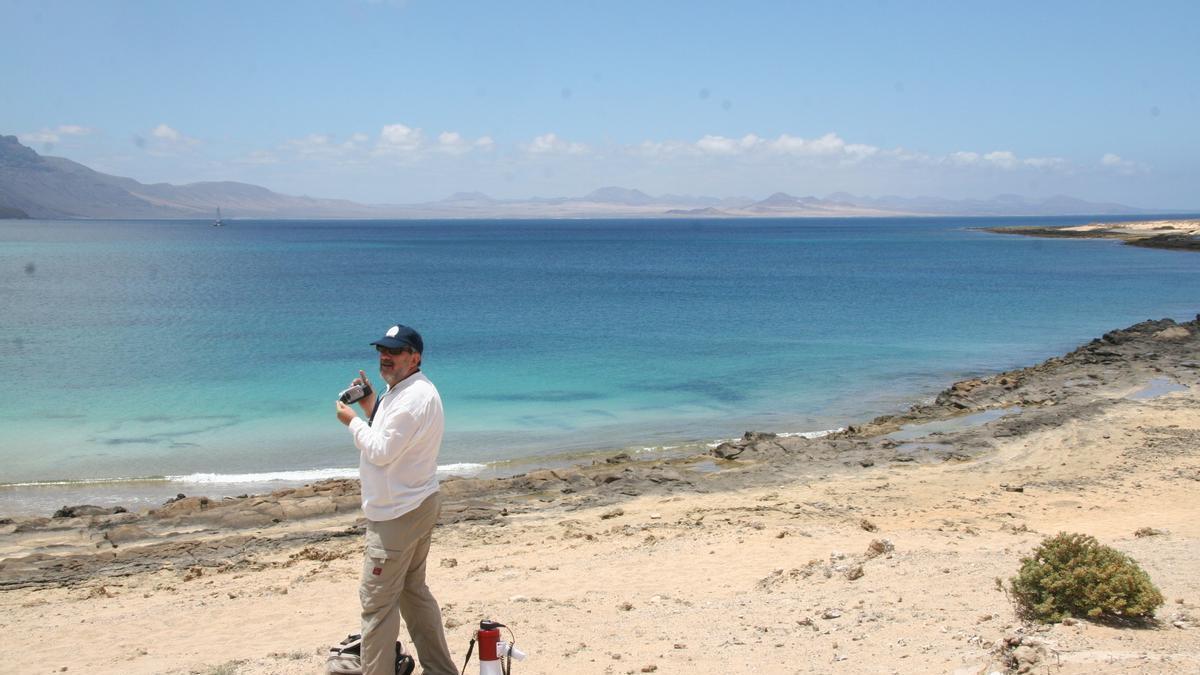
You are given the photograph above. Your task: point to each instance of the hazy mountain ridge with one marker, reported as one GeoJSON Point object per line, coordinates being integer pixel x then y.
{"type": "Point", "coordinates": [55, 187]}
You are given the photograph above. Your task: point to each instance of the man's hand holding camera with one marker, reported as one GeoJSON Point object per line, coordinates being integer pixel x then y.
{"type": "Point", "coordinates": [359, 391]}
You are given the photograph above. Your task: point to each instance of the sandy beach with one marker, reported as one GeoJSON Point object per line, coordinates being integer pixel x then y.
{"type": "Point", "coordinates": [1170, 234]}
{"type": "Point", "coordinates": [875, 550]}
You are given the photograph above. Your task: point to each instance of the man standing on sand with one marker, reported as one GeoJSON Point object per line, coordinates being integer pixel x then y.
{"type": "Point", "coordinates": [397, 463]}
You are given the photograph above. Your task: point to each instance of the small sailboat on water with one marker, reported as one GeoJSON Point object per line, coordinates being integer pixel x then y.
{"type": "Point", "coordinates": [218, 222]}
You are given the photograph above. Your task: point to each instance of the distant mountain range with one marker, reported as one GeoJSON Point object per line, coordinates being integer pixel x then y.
{"type": "Point", "coordinates": [35, 186]}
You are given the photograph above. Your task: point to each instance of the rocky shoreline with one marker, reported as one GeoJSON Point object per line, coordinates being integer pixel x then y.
{"type": "Point", "coordinates": [964, 422]}
{"type": "Point", "coordinates": [1168, 234]}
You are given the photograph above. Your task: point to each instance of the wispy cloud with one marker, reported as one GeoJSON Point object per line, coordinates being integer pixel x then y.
{"type": "Point", "coordinates": [830, 147]}
{"type": "Point", "coordinates": [551, 144]}
{"type": "Point", "coordinates": [55, 135]}
{"type": "Point", "coordinates": [1003, 159]}
{"type": "Point", "coordinates": [325, 145]}
{"type": "Point", "coordinates": [1122, 166]}
{"type": "Point", "coordinates": [397, 142]}
{"type": "Point", "coordinates": [164, 140]}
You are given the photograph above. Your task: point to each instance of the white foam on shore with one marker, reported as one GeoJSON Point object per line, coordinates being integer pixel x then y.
{"type": "Point", "coordinates": [266, 477]}
{"type": "Point", "coordinates": [812, 434]}
{"type": "Point", "coordinates": [300, 476]}
{"type": "Point", "coordinates": [85, 481]}
{"type": "Point", "coordinates": [787, 434]}
{"type": "Point", "coordinates": [309, 475]}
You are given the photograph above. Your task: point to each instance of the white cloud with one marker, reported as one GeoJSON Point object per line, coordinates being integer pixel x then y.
{"type": "Point", "coordinates": [453, 143]}
{"type": "Point", "coordinates": [1121, 165]}
{"type": "Point", "coordinates": [54, 135]}
{"type": "Point", "coordinates": [551, 144]}
{"type": "Point", "coordinates": [166, 140]}
{"type": "Point", "coordinates": [312, 145]}
{"type": "Point", "coordinates": [1003, 159]}
{"type": "Point", "coordinates": [326, 146]}
{"type": "Point", "coordinates": [399, 139]}
{"type": "Point", "coordinates": [720, 145]}
{"type": "Point", "coordinates": [828, 146]}
{"type": "Point", "coordinates": [166, 133]}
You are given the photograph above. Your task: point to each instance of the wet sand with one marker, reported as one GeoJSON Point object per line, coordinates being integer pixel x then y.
{"type": "Point", "coordinates": [872, 550]}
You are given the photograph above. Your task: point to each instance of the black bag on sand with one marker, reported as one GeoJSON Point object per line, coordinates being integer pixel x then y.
{"type": "Point", "coordinates": [345, 658]}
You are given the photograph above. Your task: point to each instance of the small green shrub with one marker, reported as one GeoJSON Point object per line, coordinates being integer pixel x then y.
{"type": "Point", "coordinates": [1073, 575]}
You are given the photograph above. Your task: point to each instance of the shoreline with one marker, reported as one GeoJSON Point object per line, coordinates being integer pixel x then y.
{"type": "Point", "coordinates": [635, 553]}
{"type": "Point", "coordinates": [1019, 393]}
{"type": "Point", "coordinates": [140, 493]}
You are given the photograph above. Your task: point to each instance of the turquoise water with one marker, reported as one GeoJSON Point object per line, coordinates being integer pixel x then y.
{"type": "Point", "coordinates": [132, 349]}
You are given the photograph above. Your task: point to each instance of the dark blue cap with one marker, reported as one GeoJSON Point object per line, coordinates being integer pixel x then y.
{"type": "Point", "coordinates": [401, 336]}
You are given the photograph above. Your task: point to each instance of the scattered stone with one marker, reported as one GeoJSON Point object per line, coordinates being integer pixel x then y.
{"type": "Point", "coordinates": [868, 525]}
{"type": "Point", "coordinates": [831, 613]}
{"type": "Point", "coordinates": [878, 547]}
{"type": "Point", "coordinates": [855, 572]}
{"type": "Point", "coordinates": [650, 668]}
{"type": "Point", "coordinates": [625, 606]}
{"type": "Point", "coordinates": [728, 450]}
{"type": "Point", "coordinates": [85, 510]}
{"type": "Point", "coordinates": [613, 513]}
{"type": "Point", "coordinates": [318, 554]}
{"type": "Point", "coordinates": [679, 645]}
{"type": "Point", "coordinates": [449, 562]}
{"type": "Point", "coordinates": [1148, 532]}
{"type": "Point", "coordinates": [1012, 488]}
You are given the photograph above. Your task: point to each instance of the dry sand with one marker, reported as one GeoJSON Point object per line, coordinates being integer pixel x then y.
{"type": "Point", "coordinates": [1142, 227]}
{"type": "Point", "coordinates": [734, 566]}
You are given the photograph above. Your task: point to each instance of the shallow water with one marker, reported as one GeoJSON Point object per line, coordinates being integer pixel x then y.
{"type": "Point", "coordinates": [1159, 386]}
{"type": "Point", "coordinates": [910, 432]}
{"type": "Point", "coordinates": [172, 349]}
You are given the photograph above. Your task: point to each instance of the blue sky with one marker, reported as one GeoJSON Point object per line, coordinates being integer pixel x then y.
{"type": "Point", "coordinates": [410, 101]}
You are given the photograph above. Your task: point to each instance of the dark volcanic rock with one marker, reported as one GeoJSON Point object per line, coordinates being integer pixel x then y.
{"type": "Point", "coordinates": [86, 510]}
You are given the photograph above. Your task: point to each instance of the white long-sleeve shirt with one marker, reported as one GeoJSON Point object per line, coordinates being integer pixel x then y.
{"type": "Point", "coordinates": [397, 451]}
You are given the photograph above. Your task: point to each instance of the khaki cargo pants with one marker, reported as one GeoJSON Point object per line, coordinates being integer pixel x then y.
{"type": "Point", "coordinates": [393, 585]}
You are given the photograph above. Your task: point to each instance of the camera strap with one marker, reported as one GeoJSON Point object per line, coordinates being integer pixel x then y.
{"type": "Point", "coordinates": [371, 419]}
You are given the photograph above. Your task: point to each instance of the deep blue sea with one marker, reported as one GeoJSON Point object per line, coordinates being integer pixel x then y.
{"type": "Point", "coordinates": [188, 353]}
